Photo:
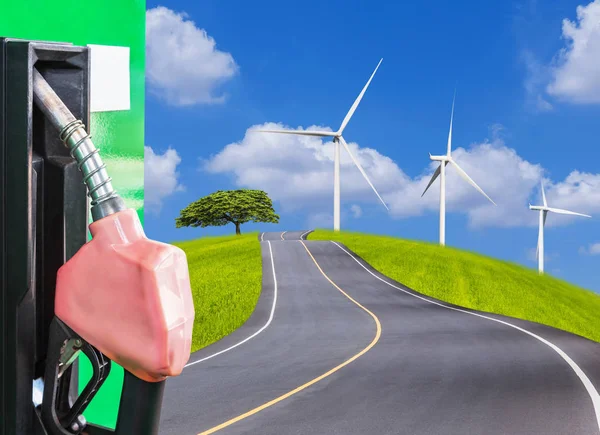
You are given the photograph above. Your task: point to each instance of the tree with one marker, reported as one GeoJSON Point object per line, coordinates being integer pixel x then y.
{"type": "Point", "coordinates": [228, 206]}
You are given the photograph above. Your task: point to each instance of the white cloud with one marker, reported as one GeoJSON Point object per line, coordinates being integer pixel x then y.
{"type": "Point", "coordinates": [542, 105]}
{"type": "Point", "coordinates": [497, 169]}
{"type": "Point", "coordinates": [183, 65]}
{"type": "Point", "coordinates": [356, 211]}
{"type": "Point", "coordinates": [297, 171]}
{"type": "Point", "coordinates": [161, 178]}
{"type": "Point", "coordinates": [593, 249]}
{"type": "Point", "coordinates": [576, 72]}
{"type": "Point", "coordinates": [537, 77]}
{"type": "Point", "coordinates": [579, 192]}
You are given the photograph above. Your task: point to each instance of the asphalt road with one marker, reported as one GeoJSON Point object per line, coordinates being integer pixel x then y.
{"type": "Point", "coordinates": [286, 235]}
{"type": "Point", "coordinates": [334, 347]}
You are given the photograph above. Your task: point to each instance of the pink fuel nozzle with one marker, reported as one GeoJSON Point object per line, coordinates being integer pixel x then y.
{"type": "Point", "coordinates": [122, 293]}
{"type": "Point", "coordinates": [129, 297]}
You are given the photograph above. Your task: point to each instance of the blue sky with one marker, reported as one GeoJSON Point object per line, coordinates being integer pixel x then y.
{"type": "Point", "coordinates": [527, 108]}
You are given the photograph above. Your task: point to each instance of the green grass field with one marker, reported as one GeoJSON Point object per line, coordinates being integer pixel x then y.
{"type": "Point", "coordinates": [226, 276]}
{"type": "Point", "coordinates": [474, 281]}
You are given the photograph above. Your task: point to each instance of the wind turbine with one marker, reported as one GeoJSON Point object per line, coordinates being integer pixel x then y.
{"type": "Point", "coordinates": [544, 209]}
{"type": "Point", "coordinates": [337, 140]}
{"type": "Point", "coordinates": [441, 171]}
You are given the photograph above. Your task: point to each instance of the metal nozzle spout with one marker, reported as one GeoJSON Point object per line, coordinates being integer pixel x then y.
{"type": "Point", "coordinates": [105, 200]}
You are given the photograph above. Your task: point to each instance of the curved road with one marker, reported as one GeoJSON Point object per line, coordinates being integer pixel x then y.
{"type": "Point", "coordinates": [334, 347]}
{"type": "Point", "coordinates": [285, 235]}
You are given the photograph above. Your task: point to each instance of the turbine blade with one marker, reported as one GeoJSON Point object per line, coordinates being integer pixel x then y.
{"type": "Point", "coordinates": [545, 216]}
{"type": "Point", "coordinates": [450, 132]}
{"type": "Point", "coordinates": [469, 180]}
{"type": "Point", "coordinates": [544, 195]}
{"type": "Point", "coordinates": [299, 132]}
{"type": "Point", "coordinates": [561, 211]}
{"type": "Point", "coordinates": [362, 171]}
{"type": "Point", "coordinates": [357, 101]}
{"type": "Point", "coordinates": [433, 178]}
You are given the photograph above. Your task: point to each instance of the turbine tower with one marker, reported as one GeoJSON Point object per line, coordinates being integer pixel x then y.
{"type": "Point", "coordinates": [337, 140]}
{"type": "Point", "coordinates": [544, 209]}
{"type": "Point", "coordinates": [441, 172]}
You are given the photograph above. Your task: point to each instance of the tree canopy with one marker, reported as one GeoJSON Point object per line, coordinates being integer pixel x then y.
{"type": "Point", "coordinates": [228, 206]}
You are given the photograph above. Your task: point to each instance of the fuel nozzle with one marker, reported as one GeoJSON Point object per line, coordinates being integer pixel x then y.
{"type": "Point", "coordinates": [125, 295]}
{"type": "Point", "coordinates": [72, 132]}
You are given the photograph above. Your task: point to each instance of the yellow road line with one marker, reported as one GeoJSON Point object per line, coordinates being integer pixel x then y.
{"type": "Point", "coordinates": [315, 380]}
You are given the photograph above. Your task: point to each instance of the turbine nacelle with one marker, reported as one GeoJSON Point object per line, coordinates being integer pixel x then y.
{"type": "Point", "coordinates": [440, 158]}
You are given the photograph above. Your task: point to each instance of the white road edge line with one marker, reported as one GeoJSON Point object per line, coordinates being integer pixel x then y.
{"type": "Point", "coordinates": [304, 234]}
{"type": "Point", "coordinates": [582, 376]}
{"type": "Point", "coordinates": [261, 237]}
{"type": "Point", "coordinates": [261, 329]}
{"type": "Point", "coordinates": [282, 235]}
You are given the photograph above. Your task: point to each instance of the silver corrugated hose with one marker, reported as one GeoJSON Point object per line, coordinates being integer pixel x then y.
{"type": "Point", "coordinates": [105, 199]}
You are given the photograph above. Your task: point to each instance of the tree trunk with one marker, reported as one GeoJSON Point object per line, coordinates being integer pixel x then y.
{"type": "Point", "coordinates": [237, 228]}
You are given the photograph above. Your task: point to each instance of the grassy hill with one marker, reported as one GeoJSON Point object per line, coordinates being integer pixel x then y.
{"type": "Point", "coordinates": [226, 279]}
{"type": "Point", "coordinates": [226, 275]}
{"type": "Point", "coordinates": [477, 282]}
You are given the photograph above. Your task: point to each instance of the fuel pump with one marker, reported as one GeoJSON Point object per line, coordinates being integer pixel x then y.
{"type": "Point", "coordinates": [119, 297]}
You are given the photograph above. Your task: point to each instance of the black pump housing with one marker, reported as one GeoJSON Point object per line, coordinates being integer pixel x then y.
{"type": "Point", "coordinates": [43, 216]}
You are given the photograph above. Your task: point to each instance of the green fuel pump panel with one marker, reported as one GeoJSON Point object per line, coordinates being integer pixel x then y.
{"type": "Point", "coordinates": [118, 129]}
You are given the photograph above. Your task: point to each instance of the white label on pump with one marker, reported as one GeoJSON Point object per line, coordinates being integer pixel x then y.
{"type": "Point", "coordinates": [110, 81]}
